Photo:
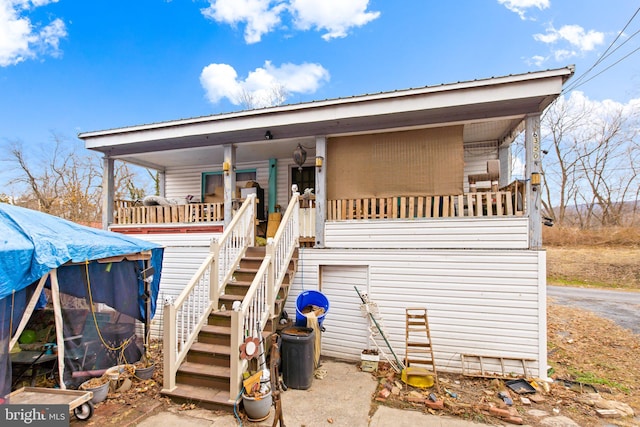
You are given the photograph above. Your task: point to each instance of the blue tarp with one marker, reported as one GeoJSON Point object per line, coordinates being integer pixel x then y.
{"type": "Point", "coordinates": [33, 243]}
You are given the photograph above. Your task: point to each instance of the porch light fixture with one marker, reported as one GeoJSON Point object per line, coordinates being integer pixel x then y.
{"type": "Point", "coordinates": [226, 167]}
{"type": "Point", "coordinates": [299, 156]}
{"type": "Point", "coordinates": [535, 178]}
{"type": "Point", "coordinates": [319, 162]}
{"type": "Point", "coordinates": [268, 135]}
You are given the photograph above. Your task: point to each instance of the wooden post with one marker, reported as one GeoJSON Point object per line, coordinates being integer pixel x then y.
{"type": "Point", "coordinates": [273, 185]}
{"type": "Point", "coordinates": [237, 337]}
{"type": "Point", "coordinates": [229, 182]}
{"type": "Point", "coordinates": [108, 193]}
{"type": "Point", "coordinates": [162, 183]}
{"type": "Point", "coordinates": [321, 190]}
{"type": "Point", "coordinates": [169, 347]}
{"type": "Point", "coordinates": [533, 166]}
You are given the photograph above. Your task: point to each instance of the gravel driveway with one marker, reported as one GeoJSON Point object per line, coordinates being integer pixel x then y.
{"type": "Point", "coordinates": [622, 307]}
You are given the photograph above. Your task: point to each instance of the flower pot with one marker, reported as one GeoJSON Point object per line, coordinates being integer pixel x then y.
{"type": "Point", "coordinates": [369, 361]}
{"type": "Point", "coordinates": [99, 392]}
{"type": "Point", "coordinates": [257, 408]}
{"type": "Point", "coordinates": [145, 373]}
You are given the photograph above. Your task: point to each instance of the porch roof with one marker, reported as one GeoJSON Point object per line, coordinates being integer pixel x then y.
{"type": "Point", "coordinates": [490, 109]}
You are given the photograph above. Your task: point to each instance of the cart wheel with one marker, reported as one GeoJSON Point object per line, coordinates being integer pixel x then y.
{"type": "Point", "coordinates": [84, 411]}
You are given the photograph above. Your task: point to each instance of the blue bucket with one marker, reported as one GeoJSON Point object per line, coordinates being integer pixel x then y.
{"type": "Point", "coordinates": [310, 298]}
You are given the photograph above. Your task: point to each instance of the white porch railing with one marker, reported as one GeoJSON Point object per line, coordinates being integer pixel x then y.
{"type": "Point", "coordinates": [183, 319]}
{"type": "Point", "coordinates": [232, 245]}
{"type": "Point", "coordinates": [258, 305]}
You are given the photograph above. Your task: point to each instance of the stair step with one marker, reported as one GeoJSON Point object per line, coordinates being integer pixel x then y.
{"type": "Point", "coordinates": [209, 354]}
{"type": "Point", "coordinates": [215, 334]}
{"type": "Point", "coordinates": [206, 370]}
{"type": "Point", "coordinates": [220, 318]}
{"type": "Point", "coordinates": [204, 375]}
{"type": "Point", "coordinates": [211, 348]}
{"type": "Point", "coordinates": [205, 397]}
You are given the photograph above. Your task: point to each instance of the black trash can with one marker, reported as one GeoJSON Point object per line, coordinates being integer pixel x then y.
{"type": "Point", "coordinates": [297, 357]}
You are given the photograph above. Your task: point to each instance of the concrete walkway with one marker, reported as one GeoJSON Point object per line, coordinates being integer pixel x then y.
{"type": "Point", "coordinates": [342, 398]}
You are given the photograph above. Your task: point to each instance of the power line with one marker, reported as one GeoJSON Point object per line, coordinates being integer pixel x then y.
{"type": "Point", "coordinates": [617, 62]}
{"type": "Point", "coordinates": [578, 82]}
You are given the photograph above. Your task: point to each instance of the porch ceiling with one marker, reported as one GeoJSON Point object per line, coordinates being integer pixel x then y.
{"type": "Point", "coordinates": [490, 110]}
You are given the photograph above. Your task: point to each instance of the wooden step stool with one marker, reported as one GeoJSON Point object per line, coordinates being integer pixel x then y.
{"type": "Point", "coordinates": [418, 350]}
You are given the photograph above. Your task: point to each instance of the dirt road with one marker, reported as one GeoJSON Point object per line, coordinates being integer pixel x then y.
{"type": "Point", "coordinates": [622, 307]}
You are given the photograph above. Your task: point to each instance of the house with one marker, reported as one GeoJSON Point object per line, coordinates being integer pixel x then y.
{"type": "Point", "coordinates": [413, 203]}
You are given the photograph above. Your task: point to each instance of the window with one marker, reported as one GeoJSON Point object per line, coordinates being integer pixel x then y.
{"type": "Point", "coordinates": [304, 179]}
{"type": "Point", "coordinates": [213, 182]}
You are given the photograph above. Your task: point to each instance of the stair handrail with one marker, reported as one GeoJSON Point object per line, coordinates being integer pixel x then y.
{"type": "Point", "coordinates": [232, 245]}
{"type": "Point", "coordinates": [286, 239]}
{"type": "Point", "coordinates": [258, 305]}
{"type": "Point", "coordinates": [183, 318]}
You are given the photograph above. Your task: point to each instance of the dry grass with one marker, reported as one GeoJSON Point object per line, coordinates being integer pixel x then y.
{"type": "Point", "coordinates": [624, 237]}
{"type": "Point", "coordinates": [587, 348]}
{"type": "Point", "coordinates": [605, 258]}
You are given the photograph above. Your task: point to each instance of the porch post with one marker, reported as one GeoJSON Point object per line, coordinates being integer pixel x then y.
{"type": "Point", "coordinates": [229, 182]}
{"type": "Point", "coordinates": [321, 190]}
{"type": "Point", "coordinates": [162, 184]}
{"type": "Point", "coordinates": [533, 170]}
{"type": "Point", "coordinates": [273, 184]}
{"type": "Point", "coordinates": [108, 191]}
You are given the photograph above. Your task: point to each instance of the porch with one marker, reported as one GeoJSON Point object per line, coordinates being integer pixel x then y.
{"type": "Point", "coordinates": [477, 204]}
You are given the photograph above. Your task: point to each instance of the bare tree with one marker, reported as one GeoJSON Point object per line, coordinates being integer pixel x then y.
{"type": "Point", "coordinates": [608, 157]}
{"type": "Point", "coordinates": [65, 185]}
{"type": "Point", "coordinates": [276, 95]}
{"type": "Point", "coordinates": [68, 182]}
{"type": "Point", "coordinates": [562, 123]}
{"type": "Point", "coordinates": [591, 167]}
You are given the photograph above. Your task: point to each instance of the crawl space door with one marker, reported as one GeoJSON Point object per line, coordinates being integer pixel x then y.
{"type": "Point", "coordinates": [347, 331]}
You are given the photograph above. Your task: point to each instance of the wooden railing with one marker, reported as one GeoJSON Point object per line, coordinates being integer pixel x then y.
{"type": "Point", "coordinates": [307, 218]}
{"type": "Point", "coordinates": [258, 305]}
{"type": "Point", "coordinates": [183, 319]}
{"type": "Point", "coordinates": [232, 245]}
{"type": "Point", "coordinates": [132, 212]}
{"type": "Point", "coordinates": [481, 204]}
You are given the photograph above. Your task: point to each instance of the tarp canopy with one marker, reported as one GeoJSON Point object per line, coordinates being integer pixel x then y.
{"type": "Point", "coordinates": [94, 265]}
{"type": "Point", "coordinates": [33, 243]}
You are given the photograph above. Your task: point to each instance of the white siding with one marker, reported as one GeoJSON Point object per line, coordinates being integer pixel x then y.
{"type": "Point", "coordinates": [337, 285]}
{"type": "Point", "coordinates": [183, 181]}
{"type": "Point", "coordinates": [183, 255]}
{"type": "Point", "coordinates": [440, 233]}
{"type": "Point", "coordinates": [479, 302]}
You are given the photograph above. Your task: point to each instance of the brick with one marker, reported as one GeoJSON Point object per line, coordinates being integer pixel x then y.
{"type": "Point", "coordinates": [438, 404]}
{"type": "Point", "coordinates": [514, 420]}
{"type": "Point", "coordinates": [502, 413]}
{"type": "Point", "coordinates": [384, 393]}
{"type": "Point", "coordinates": [414, 399]}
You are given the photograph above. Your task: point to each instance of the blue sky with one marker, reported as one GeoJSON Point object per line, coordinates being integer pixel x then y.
{"type": "Point", "coordinates": [70, 66]}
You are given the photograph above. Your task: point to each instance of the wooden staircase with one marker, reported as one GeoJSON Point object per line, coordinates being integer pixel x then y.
{"type": "Point", "coordinates": [204, 377]}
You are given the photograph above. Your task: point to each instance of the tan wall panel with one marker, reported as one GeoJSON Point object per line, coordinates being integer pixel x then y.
{"type": "Point", "coordinates": [409, 163]}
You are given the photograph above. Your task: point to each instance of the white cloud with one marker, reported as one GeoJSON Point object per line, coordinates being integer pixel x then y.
{"type": "Point", "coordinates": [260, 17]}
{"type": "Point", "coordinates": [265, 86]}
{"type": "Point", "coordinates": [579, 40]}
{"type": "Point", "coordinates": [575, 35]}
{"type": "Point", "coordinates": [521, 6]}
{"type": "Point", "coordinates": [536, 60]}
{"type": "Point", "coordinates": [19, 39]}
{"type": "Point", "coordinates": [334, 16]}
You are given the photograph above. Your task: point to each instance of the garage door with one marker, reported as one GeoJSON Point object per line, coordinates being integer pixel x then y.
{"type": "Point", "coordinates": [347, 331]}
